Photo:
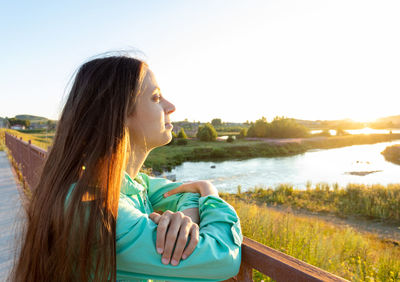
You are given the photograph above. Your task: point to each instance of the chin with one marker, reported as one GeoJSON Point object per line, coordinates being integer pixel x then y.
{"type": "Point", "coordinates": [166, 138]}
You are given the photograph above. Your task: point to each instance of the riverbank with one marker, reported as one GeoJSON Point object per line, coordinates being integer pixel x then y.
{"type": "Point", "coordinates": [337, 248]}
{"type": "Point", "coordinates": [373, 202]}
{"type": "Point", "coordinates": [167, 157]}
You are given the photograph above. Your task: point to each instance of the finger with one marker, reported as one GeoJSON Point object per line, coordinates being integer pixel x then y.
{"type": "Point", "coordinates": [162, 230]}
{"type": "Point", "coordinates": [194, 240]}
{"type": "Point", "coordinates": [155, 217]}
{"type": "Point", "coordinates": [171, 237]}
{"type": "Point", "coordinates": [181, 240]}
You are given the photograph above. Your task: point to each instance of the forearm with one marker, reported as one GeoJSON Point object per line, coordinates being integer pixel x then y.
{"type": "Point", "coordinates": [193, 213]}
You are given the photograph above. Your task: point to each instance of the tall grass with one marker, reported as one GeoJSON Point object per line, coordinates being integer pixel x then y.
{"type": "Point", "coordinates": [40, 139]}
{"type": "Point", "coordinates": [342, 251]}
{"type": "Point", "coordinates": [371, 201]}
{"type": "Point", "coordinates": [2, 140]}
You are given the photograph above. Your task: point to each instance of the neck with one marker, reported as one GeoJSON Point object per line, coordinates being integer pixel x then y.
{"type": "Point", "coordinates": [136, 160]}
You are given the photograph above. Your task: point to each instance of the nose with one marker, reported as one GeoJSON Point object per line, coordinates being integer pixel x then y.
{"type": "Point", "coordinates": [169, 108]}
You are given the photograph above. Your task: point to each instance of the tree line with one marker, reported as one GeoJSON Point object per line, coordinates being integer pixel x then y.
{"type": "Point", "coordinates": [280, 127]}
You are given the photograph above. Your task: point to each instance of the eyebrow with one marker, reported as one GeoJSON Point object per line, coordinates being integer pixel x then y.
{"type": "Point", "coordinates": [155, 89]}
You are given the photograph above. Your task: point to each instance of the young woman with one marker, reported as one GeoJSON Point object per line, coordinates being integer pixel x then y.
{"type": "Point", "coordinates": [91, 217]}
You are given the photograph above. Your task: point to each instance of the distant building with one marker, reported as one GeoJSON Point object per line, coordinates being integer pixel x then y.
{"type": "Point", "coordinates": [18, 127]}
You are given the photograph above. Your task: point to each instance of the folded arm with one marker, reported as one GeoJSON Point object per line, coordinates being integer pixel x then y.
{"type": "Point", "coordinates": [216, 257]}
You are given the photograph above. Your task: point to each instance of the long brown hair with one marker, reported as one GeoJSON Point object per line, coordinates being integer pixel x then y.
{"type": "Point", "coordinates": [70, 233]}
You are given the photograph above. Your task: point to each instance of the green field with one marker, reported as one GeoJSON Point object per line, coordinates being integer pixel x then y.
{"type": "Point", "coordinates": [39, 138]}
{"type": "Point", "coordinates": [368, 201]}
{"type": "Point", "coordinates": [340, 250]}
{"type": "Point", "coordinates": [166, 157]}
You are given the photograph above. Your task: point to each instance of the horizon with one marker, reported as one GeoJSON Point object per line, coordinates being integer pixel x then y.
{"type": "Point", "coordinates": [227, 121]}
{"type": "Point", "coordinates": [313, 60]}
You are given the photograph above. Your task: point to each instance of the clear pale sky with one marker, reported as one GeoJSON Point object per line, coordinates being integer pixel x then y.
{"type": "Point", "coordinates": [236, 60]}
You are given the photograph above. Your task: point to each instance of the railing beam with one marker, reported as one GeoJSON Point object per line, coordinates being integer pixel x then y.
{"type": "Point", "coordinates": [281, 267]}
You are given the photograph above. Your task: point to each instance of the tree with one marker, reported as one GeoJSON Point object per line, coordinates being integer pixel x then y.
{"type": "Point", "coordinates": [216, 122]}
{"type": "Point", "coordinates": [17, 121]}
{"type": "Point", "coordinates": [282, 127]}
{"type": "Point", "coordinates": [207, 133]}
{"type": "Point", "coordinates": [259, 128]}
{"type": "Point", "coordinates": [243, 133]}
{"type": "Point", "coordinates": [182, 134]}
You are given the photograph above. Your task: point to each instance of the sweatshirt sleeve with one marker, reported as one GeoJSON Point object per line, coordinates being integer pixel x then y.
{"type": "Point", "coordinates": [216, 257]}
{"type": "Point", "coordinates": [178, 202]}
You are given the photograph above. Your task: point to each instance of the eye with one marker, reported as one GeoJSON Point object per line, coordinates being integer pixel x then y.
{"type": "Point", "coordinates": [156, 98]}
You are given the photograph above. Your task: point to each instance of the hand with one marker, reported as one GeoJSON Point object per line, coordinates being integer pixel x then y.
{"type": "Point", "coordinates": [175, 223]}
{"type": "Point", "coordinates": [203, 187]}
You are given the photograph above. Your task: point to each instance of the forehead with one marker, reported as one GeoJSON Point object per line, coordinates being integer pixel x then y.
{"type": "Point", "coordinates": [149, 84]}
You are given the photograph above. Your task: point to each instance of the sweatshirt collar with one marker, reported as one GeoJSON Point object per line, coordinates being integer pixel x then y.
{"type": "Point", "coordinates": [132, 186]}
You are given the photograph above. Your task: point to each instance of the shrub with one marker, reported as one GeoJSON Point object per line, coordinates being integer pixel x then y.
{"type": "Point", "coordinates": [280, 127]}
{"type": "Point", "coordinates": [230, 139]}
{"type": "Point", "coordinates": [207, 133]}
{"type": "Point", "coordinates": [182, 134]}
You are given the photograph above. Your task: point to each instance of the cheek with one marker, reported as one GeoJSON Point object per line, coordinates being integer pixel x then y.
{"type": "Point", "coordinates": [154, 115]}
{"type": "Point", "coordinates": [148, 120]}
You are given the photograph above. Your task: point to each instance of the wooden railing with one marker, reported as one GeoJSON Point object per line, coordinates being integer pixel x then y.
{"type": "Point", "coordinates": [275, 264]}
{"type": "Point", "coordinates": [29, 158]}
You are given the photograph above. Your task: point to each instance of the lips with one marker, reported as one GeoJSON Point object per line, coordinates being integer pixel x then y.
{"type": "Point", "coordinates": [168, 125]}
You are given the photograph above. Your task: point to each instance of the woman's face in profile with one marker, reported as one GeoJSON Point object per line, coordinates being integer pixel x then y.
{"type": "Point", "coordinates": [150, 125]}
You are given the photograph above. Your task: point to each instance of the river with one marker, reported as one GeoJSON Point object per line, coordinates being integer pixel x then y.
{"type": "Point", "coordinates": [339, 165]}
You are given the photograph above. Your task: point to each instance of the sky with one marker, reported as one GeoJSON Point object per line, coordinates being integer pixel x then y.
{"type": "Point", "coordinates": [229, 59]}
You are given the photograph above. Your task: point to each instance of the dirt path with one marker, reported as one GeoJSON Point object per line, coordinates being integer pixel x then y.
{"type": "Point", "coordinates": [389, 232]}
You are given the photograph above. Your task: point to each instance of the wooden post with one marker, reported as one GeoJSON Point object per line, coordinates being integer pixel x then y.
{"type": "Point", "coordinates": [245, 273]}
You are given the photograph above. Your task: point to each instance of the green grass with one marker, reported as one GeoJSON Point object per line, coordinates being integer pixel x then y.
{"type": "Point", "coordinates": [368, 201]}
{"type": "Point", "coordinates": [166, 157]}
{"type": "Point", "coordinates": [339, 250]}
{"type": "Point", "coordinates": [2, 140]}
{"type": "Point", "coordinates": [39, 139]}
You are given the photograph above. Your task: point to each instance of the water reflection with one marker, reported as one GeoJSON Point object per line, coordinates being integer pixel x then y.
{"type": "Point", "coordinates": [331, 166]}
{"type": "Point", "coordinates": [365, 130]}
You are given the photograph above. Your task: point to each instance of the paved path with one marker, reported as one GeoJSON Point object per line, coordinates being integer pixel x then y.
{"type": "Point", "coordinates": [10, 208]}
